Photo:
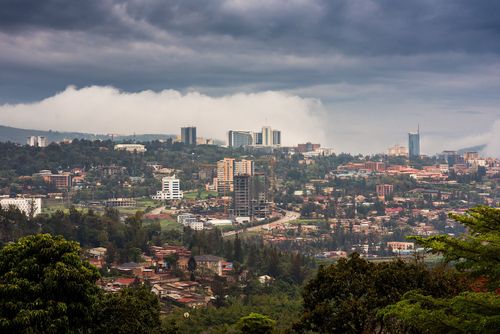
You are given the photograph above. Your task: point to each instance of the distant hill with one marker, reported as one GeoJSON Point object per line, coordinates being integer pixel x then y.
{"type": "Point", "coordinates": [19, 136]}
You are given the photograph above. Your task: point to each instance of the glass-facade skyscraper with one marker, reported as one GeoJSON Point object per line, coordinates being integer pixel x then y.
{"type": "Point", "coordinates": [267, 137]}
{"type": "Point", "coordinates": [239, 138]}
{"type": "Point", "coordinates": [276, 138]}
{"type": "Point", "coordinates": [188, 135]}
{"type": "Point", "coordinates": [414, 144]}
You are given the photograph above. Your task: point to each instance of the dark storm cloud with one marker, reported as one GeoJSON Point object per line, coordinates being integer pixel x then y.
{"type": "Point", "coordinates": [368, 61]}
{"type": "Point", "coordinates": [54, 14]}
{"type": "Point", "coordinates": [354, 27]}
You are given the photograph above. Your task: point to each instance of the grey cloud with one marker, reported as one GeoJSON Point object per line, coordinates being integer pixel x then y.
{"type": "Point", "coordinates": [353, 27]}
{"type": "Point", "coordinates": [368, 61]}
{"type": "Point", "coordinates": [54, 14]}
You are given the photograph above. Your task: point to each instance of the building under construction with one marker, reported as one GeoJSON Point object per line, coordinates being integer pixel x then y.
{"type": "Point", "coordinates": [250, 196]}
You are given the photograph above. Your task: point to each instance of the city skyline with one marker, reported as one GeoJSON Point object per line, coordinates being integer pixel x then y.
{"type": "Point", "coordinates": [336, 72]}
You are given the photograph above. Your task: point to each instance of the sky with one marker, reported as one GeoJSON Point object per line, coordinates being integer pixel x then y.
{"type": "Point", "coordinates": [355, 75]}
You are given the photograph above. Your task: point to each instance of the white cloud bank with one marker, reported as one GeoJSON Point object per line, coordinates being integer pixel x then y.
{"type": "Point", "coordinates": [493, 141]}
{"type": "Point", "coordinates": [98, 109]}
{"type": "Point", "coordinates": [105, 109]}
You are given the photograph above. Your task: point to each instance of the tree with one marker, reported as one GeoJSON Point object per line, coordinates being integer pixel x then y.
{"type": "Point", "coordinates": [192, 267]}
{"type": "Point", "coordinates": [132, 310]}
{"type": "Point", "coordinates": [255, 323]}
{"type": "Point", "coordinates": [345, 297]}
{"type": "Point", "coordinates": [468, 312]}
{"type": "Point", "coordinates": [475, 253]}
{"type": "Point", "coordinates": [238, 252]}
{"type": "Point", "coordinates": [45, 287]}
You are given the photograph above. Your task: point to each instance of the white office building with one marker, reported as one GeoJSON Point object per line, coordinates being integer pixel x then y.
{"type": "Point", "coordinates": [170, 189]}
{"type": "Point", "coordinates": [37, 141]}
{"type": "Point", "coordinates": [133, 148]}
{"type": "Point", "coordinates": [240, 138]}
{"type": "Point", "coordinates": [27, 205]}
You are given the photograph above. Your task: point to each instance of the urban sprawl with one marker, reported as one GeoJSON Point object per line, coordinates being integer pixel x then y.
{"type": "Point", "coordinates": [306, 199]}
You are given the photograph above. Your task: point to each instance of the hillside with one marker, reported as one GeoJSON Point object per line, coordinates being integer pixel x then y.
{"type": "Point", "coordinates": [19, 136]}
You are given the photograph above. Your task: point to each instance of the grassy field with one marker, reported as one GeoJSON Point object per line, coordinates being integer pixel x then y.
{"type": "Point", "coordinates": [170, 225]}
{"type": "Point", "coordinates": [203, 194]}
{"type": "Point", "coordinates": [166, 225]}
{"type": "Point", "coordinates": [51, 206]}
{"type": "Point", "coordinates": [143, 204]}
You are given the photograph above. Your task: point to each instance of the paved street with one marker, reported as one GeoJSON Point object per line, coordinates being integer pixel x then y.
{"type": "Point", "coordinates": [288, 217]}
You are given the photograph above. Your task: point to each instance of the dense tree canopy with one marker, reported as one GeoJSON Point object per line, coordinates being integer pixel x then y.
{"type": "Point", "coordinates": [45, 287]}
{"type": "Point", "coordinates": [476, 311]}
{"type": "Point", "coordinates": [133, 310]}
{"type": "Point", "coordinates": [345, 297]}
{"type": "Point", "coordinates": [255, 323]}
{"type": "Point", "coordinates": [478, 251]}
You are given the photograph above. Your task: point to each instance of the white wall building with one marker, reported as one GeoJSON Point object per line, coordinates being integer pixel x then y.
{"type": "Point", "coordinates": [26, 205]}
{"type": "Point", "coordinates": [186, 218]}
{"type": "Point", "coordinates": [37, 141]}
{"type": "Point", "coordinates": [267, 136]}
{"type": "Point", "coordinates": [197, 226]}
{"type": "Point", "coordinates": [138, 148]}
{"type": "Point", "coordinates": [220, 222]}
{"type": "Point", "coordinates": [170, 189]}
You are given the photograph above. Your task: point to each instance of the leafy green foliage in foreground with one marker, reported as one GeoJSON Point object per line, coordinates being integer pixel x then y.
{"type": "Point", "coordinates": [469, 312]}
{"type": "Point", "coordinates": [281, 304]}
{"type": "Point", "coordinates": [45, 287]}
{"type": "Point", "coordinates": [129, 311]}
{"type": "Point", "coordinates": [255, 323]}
{"type": "Point", "coordinates": [478, 251]}
{"type": "Point", "coordinates": [477, 254]}
{"type": "Point", "coordinates": [345, 297]}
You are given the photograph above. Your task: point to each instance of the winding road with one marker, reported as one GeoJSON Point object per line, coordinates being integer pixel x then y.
{"type": "Point", "coordinates": [288, 217]}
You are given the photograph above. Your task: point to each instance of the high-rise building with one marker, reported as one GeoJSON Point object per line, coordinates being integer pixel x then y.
{"type": "Point", "coordinates": [225, 175]}
{"type": "Point", "coordinates": [257, 138]}
{"type": "Point", "coordinates": [250, 196]}
{"type": "Point", "coordinates": [227, 169]}
{"type": "Point", "coordinates": [170, 189]}
{"type": "Point", "coordinates": [414, 144]}
{"type": "Point", "coordinates": [260, 204]}
{"type": "Point", "coordinates": [244, 167]}
{"type": "Point", "coordinates": [267, 136]}
{"type": "Point", "coordinates": [276, 138]}
{"type": "Point", "coordinates": [239, 138]}
{"type": "Point", "coordinates": [242, 196]}
{"type": "Point", "coordinates": [188, 135]}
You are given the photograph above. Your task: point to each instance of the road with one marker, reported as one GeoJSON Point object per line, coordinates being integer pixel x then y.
{"type": "Point", "coordinates": [288, 217]}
